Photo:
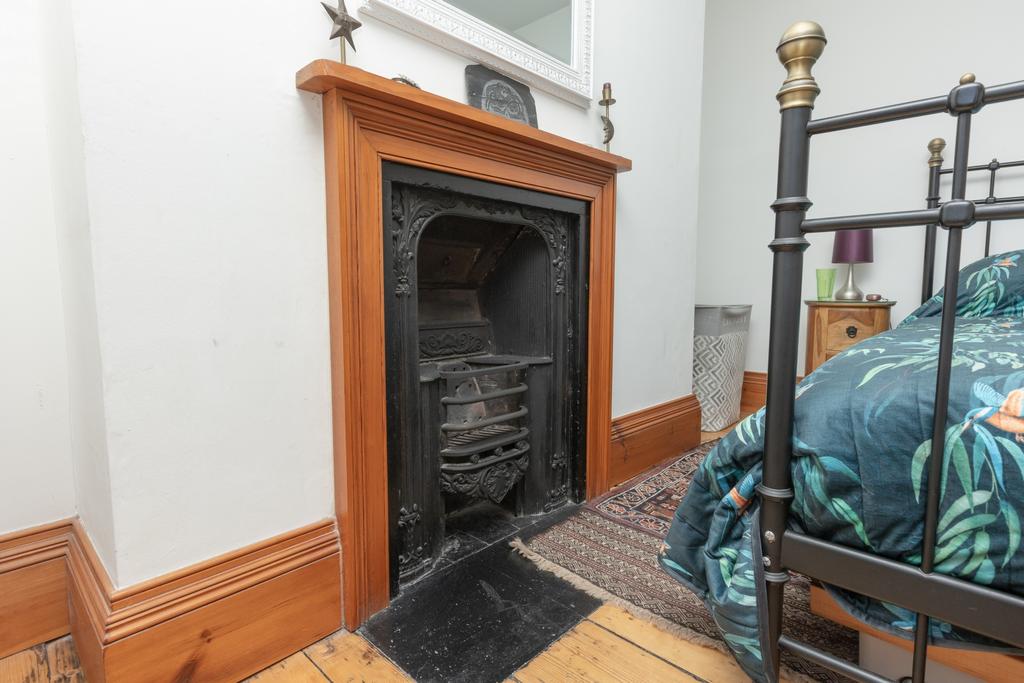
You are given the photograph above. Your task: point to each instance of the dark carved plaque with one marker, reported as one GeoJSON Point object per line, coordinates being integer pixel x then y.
{"type": "Point", "coordinates": [445, 343]}
{"type": "Point", "coordinates": [488, 90]}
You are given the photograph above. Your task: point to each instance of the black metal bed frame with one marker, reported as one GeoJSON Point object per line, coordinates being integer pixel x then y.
{"type": "Point", "coordinates": [996, 614]}
{"type": "Point", "coordinates": [935, 173]}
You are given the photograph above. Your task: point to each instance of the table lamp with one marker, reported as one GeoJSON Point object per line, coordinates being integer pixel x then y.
{"type": "Point", "coordinates": [851, 246]}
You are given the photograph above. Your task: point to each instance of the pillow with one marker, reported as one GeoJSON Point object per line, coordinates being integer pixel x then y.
{"type": "Point", "coordinates": [988, 287]}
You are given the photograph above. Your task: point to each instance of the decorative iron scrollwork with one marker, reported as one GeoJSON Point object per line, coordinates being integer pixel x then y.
{"type": "Point", "coordinates": [411, 556]}
{"type": "Point", "coordinates": [412, 207]}
{"type": "Point", "coordinates": [410, 211]}
{"type": "Point", "coordinates": [557, 497]}
{"type": "Point", "coordinates": [490, 477]}
{"type": "Point", "coordinates": [554, 227]}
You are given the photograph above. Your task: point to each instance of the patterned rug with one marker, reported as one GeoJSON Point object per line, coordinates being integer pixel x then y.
{"type": "Point", "coordinates": [609, 548]}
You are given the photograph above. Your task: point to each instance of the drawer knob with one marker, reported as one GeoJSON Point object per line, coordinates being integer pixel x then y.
{"type": "Point", "coordinates": [851, 331]}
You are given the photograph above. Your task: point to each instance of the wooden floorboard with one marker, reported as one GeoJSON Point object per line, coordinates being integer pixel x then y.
{"type": "Point", "coordinates": [346, 656]}
{"type": "Point", "coordinates": [697, 660]}
{"type": "Point", "coordinates": [296, 669]}
{"type": "Point", "coordinates": [62, 661]}
{"type": "Point", "coordinates": [611, 645]}
{"type": "Point", "coordinates": [52, 662]}
{"type": "Point", "coordinates": [27, 665]}
{"type": "Point", "coordinates": [590, 652]}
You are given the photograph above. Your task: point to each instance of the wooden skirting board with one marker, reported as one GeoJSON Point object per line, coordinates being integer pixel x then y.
{"type": "Point", "coordinates": [988, 666]}
{"type": "Point", "coordinates": [33, 586]}
{"type": "Point", "coordinates": [222, 619]}
{"type": "Point", "coordinates": [755, 391]}
{"type": "Point", "coordinates": [648, 436]}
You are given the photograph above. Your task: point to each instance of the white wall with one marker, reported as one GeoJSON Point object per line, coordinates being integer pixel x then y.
{"type": "Point", "coordinates": [653, 60]}
{"type": "Point", "coordinates": [878, 53]}
{"type": "Point", "coordinates": [192, 252]}
{"type": "Point", "coordinates": [56, 47]}
{"type": "Point", "coordinates": [206, 200]}
{"type": "Point", "coordinates": [35, 444]}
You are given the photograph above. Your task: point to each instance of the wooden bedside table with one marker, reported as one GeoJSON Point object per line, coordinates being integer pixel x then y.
{"type": "Point", "coordinates": [832, 326]}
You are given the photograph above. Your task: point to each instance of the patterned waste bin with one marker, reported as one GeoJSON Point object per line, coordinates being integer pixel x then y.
{"type": "Point", "coordinates": [719, 352]}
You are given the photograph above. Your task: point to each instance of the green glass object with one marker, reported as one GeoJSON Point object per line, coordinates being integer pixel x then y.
{"type": "Point", "coordinates": [826, 282]}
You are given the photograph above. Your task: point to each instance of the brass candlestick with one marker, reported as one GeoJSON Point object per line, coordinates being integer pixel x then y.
{"type": "Point", "coordinates": [607, 101]}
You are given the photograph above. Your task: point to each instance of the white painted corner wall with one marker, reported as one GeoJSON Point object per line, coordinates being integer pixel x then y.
{"type": "Point", "coordinates": [878, 53]}
{"type": "Point", "coordinates": [36, 483]}
{"type": "Point", "coordinates": [171, 257]}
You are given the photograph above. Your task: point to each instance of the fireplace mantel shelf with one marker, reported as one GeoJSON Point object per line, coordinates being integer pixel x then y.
{"type": "Point", "coordinates": [324, 74]}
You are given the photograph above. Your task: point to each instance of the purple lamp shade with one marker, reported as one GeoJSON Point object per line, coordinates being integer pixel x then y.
{"type": "Point", "coordinates": [852, 246]}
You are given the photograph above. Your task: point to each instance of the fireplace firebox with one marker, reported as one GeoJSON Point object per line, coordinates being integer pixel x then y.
{"type": "Point", "coordinates": [485, 289]}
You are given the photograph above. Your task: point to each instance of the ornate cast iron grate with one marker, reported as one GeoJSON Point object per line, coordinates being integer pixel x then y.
{"type": "Point", "coordinates": [485, 304]}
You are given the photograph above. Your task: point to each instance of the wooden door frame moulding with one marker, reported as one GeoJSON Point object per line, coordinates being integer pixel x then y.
{"type": "Point", "coordinates": [368, 120]}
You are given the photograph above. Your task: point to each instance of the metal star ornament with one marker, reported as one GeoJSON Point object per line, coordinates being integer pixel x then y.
{"type": "Point", "coordinates": [344, 24]}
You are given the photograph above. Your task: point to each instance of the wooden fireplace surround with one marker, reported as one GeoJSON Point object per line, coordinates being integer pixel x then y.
{"type": "Point", "coordinates": [367, 120]}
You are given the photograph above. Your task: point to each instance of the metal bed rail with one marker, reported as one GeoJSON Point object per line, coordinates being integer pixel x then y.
{"type": "Point", "coordinates": [915, 588]}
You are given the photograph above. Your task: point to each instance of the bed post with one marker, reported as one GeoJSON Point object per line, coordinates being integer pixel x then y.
{"type": "Point", "coordinates": [956, 216]}
{"type": "Point", "coordinates": [798, 50]}
{"type": "Point", "coordinates": [934, 167]}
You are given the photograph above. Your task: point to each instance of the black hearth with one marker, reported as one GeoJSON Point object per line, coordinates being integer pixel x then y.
{"type": "Point", "coordinates": [485, 304]}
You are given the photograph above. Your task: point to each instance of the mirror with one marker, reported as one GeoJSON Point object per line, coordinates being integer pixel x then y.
{"type": "Point", "coordinates": [543, 24]}
{"type": "Point", "coordinates": [545, 44]}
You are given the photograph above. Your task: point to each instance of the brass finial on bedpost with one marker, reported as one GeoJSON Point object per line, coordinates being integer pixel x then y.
{"type": "Point", "coordinates": [935, 147]}
{"type": "Point", "coordinates": [798, 50]}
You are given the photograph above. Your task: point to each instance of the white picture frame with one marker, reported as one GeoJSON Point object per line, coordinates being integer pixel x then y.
{"type": "Point", "coordinates": [449, 27]}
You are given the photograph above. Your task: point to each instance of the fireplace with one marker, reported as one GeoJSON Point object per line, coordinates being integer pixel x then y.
{"type": "Point", "coordinates": [485, 334]}
{"type": "Point", "coordinates": [369, 123]}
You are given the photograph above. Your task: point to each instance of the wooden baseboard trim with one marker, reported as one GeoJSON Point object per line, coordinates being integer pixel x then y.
{"type": "Point", "coordinates": [988, 666]}
{"type": "Point", "coordinates": [755, 391]}
{"type": "Point", "coordinates": [222, 619]}
{"type": "Point", "coordinates": [648, 436]}
{"type": "Point", "coordinates": [33, 586]}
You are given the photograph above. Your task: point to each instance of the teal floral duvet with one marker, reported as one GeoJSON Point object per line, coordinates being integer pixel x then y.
{"type": "Point", "coordinates": [861, 440]}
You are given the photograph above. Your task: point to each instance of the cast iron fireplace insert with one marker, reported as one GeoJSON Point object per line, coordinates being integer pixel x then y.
{"type": "Point", "coordinates": [485, 302]}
